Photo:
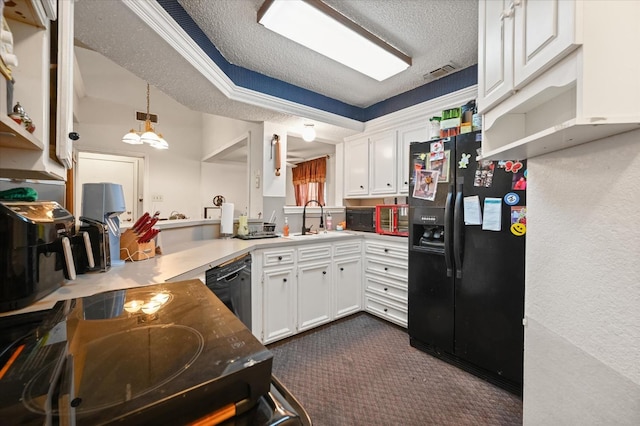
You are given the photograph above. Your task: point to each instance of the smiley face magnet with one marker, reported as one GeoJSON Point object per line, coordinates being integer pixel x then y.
{"type": "Point", "coordinates": [518, 229]}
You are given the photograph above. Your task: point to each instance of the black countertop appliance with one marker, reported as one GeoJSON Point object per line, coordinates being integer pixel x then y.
{"type": "Point", "coordinates": [160, 354]}
{"type": "Point", "coordinates": [35, 251]}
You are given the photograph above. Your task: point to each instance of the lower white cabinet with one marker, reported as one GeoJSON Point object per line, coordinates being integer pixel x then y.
{"type": "Point", "coordinates": [386, 277]}
{"type": "Point", "coordinates": [279, 307]}
{"type": "Point", "coordinates": [314, 294]}
{"type": "Point", "coordinates": [348, 286]}
{"type": "Point", "coordinates": [302, 286]}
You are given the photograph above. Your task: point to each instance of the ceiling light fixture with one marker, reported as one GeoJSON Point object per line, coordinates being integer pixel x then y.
{"type": "Point", "coordinates": [309, 133]}
{"type": "Point", "coordinates": [319, 27]}
{"type": "Point", "coordinates": [148, 136]}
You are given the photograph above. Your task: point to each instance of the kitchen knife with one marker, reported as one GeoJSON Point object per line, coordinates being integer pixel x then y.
{"type": "Point", "coordinates": [140, 222]}
{"type": "Point", "coordinates": [148, 225]}
{"type": "Point", "coordinates": [148, 236]}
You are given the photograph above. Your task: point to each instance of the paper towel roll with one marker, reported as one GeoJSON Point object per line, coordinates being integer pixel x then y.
{"type": "Point", "coordinates": [226, 219]}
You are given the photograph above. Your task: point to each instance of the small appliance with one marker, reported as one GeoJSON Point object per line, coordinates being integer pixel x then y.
{"type": "Point", "coordinates": [104, 202]}
{"type": "Point", "coordinates": [35, 251]}
{"type": "Point", "coordinates": [98, 234]}
{"type": "Point", "coordinates": [392, 219]}
{"type": "Point", "coordinates": [361, 219]}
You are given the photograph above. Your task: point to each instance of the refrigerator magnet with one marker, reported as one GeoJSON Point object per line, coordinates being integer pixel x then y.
{"type": "Point", "coordinates": [518, 229]}
{"type": "Point", "coordinates": [512, 199]}
{"type": "Point", "coordinates": [464, 161]}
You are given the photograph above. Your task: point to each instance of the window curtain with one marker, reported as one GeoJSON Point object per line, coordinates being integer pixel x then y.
{"type": "Point", "coordinates": [309, 178]}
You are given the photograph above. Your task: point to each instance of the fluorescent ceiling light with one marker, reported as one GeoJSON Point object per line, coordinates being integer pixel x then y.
{"type": "Point", "coordinates": [317, 26]}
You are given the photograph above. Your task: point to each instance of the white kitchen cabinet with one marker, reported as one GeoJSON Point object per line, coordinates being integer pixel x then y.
{"type": "Point", "coordinates": [314, 285]}
{"type": "Point", "coordinates": [279, 304]}
{"type": "Point", "coordinates": [347, 273]}
{"type": "Point", "coordinates": [314, 294]}
{"type": "Point", "coordinates": [568, 84]}
{"type": "Point", "coordinates": [518, 39]}
{"type": "Point", "coordinates": [384, 163]}
{"type": "Point", "coordinates": [356, 171]}
{"type": "Point", "coordinates": [418, 132]}
{"type": "Point", "coordinates": [386, 279]}
{"type": "Point", "coordinates": [36, 155]}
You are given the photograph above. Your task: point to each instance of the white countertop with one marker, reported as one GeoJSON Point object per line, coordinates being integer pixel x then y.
{"type": "Point", "coordinates": [187, 261]}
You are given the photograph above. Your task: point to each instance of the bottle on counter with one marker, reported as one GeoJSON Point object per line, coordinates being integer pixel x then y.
{"type": "Point", "coordinates": [329, 222]}
{"type": "Point", "coordinates": [285, 228]}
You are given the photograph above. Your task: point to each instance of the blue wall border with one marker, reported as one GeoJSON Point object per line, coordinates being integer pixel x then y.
{"type": "Point", "coordinates": [271, 86]}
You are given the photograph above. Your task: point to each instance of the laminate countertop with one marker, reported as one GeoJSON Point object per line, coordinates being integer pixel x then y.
{"type": "Point", "coordinates": [189, 260]}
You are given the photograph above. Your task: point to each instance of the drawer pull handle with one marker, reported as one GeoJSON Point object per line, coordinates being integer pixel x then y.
{"type": "Point", "coordinates": [386, 269]}
{"type": "Point", "coordinates": [279, 257]}
{"type": "Point", "coordinates": [386, 289]}
{"type": "Point", "coordinates": [386, 250]}
{"type": "Point", "coordinates": [385, 309]}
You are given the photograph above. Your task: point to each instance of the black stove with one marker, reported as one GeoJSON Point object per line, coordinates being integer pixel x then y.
{"type": "Point", "coordinates": [161, 354]}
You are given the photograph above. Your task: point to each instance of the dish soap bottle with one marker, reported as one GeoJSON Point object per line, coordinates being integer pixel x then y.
{"type": "Point", "coordinates": [329, 222]}
{"type": "Point", "coordinates": [285, 228]}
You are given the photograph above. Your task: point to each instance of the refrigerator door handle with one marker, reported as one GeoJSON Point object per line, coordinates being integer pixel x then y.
{"type": "Point", "coordinates": [448, 224]}
{"type": "Point", "coordinates": [458, 238]}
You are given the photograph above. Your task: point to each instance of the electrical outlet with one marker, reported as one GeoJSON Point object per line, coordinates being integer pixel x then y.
{"type": "Point", "coordinates": [157, 198]}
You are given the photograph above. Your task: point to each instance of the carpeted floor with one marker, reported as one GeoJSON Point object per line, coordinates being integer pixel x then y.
{"type": "Point", "coordinates": [362, 371]}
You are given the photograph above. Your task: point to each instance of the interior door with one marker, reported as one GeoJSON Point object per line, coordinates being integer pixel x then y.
{"type": "Point", "coordinates": [126, 171]}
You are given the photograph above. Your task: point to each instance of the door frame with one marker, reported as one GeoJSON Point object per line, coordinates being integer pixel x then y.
{"type": "Point", "coordinates": [143, 175]}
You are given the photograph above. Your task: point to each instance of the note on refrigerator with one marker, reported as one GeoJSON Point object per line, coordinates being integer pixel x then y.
{"type": "Point", "coordinates": [492, 214]}
{"type": "Point", "coordinates": [472, 212]}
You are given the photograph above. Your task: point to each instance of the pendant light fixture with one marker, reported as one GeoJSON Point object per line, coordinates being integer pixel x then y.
{"type": "Point", "coordinates": [149, 135]}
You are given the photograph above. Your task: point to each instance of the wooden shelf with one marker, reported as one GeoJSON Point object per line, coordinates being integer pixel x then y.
{"type": "Point", "coordinates": [13, 135]}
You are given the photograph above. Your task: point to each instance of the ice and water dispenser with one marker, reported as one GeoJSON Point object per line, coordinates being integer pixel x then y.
{"type": "Point", "coordinates": [103, 202]}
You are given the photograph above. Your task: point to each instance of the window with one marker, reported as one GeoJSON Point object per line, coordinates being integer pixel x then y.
{"type": "Point", "coordinates": [309, 179]}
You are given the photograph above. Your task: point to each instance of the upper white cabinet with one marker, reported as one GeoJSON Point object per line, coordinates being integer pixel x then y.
{"type": "Point", "coordinates": [412, 133]}
{"type": "Point", "coordinates": [518, 39]}
{"type": "Point", "coordinates": [384, 163]}
{"type": "Point", "coordinates": [47, 152]}
{"type": "Point", "coordinates": [356, 172]}
{"type": "Point", "coordinates": [554, 74]}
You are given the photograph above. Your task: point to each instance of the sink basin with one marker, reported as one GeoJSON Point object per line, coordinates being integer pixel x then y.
{"type": "Point", "coordinates": [329, 234]}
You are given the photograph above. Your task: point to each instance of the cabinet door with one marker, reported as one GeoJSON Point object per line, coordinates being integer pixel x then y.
{"type": "Point", "coordinates": [279, 304]}
{"type": "Point", "coordinates": [384, 163]}
{"type": "Point", "coordinates": [406, 135]}
{"type": "Point", "coordinates": [314, 295]}
{"type": "Point", "coordinates": [356, 166]}
{"type": "Point", "coordinates": [495, 52]}
{"type": "Point", "coordinates": [348, 286]}
{"type": "Point", "coordinates": [64, 123]}
{"type": "Point", "coordinates": [544, 33]}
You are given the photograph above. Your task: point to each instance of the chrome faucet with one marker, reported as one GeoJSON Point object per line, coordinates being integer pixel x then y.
{"type": "Point", "coordinates": [304, 216]}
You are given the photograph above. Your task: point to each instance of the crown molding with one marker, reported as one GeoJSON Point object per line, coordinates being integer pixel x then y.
{"type": "Point", "coordinates": [154, 16]}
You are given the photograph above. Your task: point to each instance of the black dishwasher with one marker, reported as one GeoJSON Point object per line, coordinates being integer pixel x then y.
{"type": "Point", "coordinates": [231, 282]}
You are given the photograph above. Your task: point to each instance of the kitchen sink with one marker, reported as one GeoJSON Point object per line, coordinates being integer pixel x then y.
{"type": "Point", "coordinates": [329, 234]}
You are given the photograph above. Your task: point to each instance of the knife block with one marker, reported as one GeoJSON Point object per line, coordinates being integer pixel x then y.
{"type": "Point", "coordinates": [132, 250]}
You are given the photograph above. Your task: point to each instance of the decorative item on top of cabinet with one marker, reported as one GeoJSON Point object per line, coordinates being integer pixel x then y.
{"type": "Point", "coordinates": [551, 95]}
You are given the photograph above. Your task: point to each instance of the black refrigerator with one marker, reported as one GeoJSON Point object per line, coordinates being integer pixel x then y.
{"type": "Point", "coordinates": [467, 258]}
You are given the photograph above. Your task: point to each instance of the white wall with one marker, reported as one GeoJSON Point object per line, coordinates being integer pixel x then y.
{"type": "Point", "coordinates": [582, 303]}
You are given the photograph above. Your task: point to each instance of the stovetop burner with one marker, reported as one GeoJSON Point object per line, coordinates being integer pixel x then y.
{"type": "Point", "coordinates": [163, 353]}
{"type": "Point", "coordinates": [257, 235]}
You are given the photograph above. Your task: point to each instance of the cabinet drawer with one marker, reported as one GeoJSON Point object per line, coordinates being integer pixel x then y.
{"type": "Point", "coordinates": [277, 257]}
{"type": "Point", "coordinates": [314, 252]}
{"type": "Point", "coordinates": [390, 250]}
{"type": "Point", "coordinates": [386, 310]}
{"type": "Point", "coordinates": [386, 269]}
{"type": "Point", "coordinates": [351, 247]}
{"type": "Point", "coordinates": [387, 288]}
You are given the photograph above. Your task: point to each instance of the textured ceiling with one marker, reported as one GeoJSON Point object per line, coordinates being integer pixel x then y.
{"type": "Point", "coordinates": [432, 32]}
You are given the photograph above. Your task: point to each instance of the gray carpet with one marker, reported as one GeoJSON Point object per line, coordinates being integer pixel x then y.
{"type": "Point", "coordinates": [362, 371]}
